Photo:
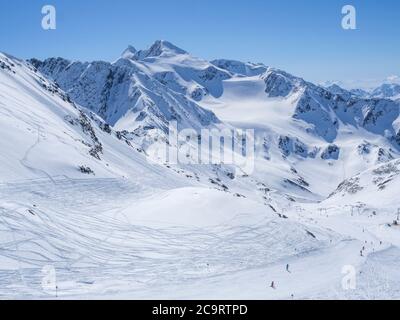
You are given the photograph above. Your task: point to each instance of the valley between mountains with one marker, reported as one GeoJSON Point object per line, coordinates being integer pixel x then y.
{"type": "Point", "coordinates": [87, 210]}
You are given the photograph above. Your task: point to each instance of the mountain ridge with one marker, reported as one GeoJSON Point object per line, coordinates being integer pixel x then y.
{"type": "Point", "coordinates": [140, 96]}
{"type": "Point", "coordinates": [82, 189]}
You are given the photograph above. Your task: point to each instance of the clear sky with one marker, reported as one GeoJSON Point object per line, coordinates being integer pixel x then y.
{"type": "Point", "coordinates": [303, 37]}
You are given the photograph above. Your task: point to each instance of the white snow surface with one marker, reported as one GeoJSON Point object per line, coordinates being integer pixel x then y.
{"type": "Point", "coordinates": [83, 197]}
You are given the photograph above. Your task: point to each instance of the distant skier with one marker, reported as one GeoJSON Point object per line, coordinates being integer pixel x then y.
{"type": "Point", "coordinates": [287, 268]}
{"type": "Point", "coordinates": [273, 285]}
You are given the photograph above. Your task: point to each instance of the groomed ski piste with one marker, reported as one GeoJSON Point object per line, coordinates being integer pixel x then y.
{"type": "Point", "coordinates": [83, 200]}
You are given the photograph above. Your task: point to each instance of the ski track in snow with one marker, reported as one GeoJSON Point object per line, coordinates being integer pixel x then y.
{"type": "Point", "coordinates": [97, 252]}
{"type": "Point", "coordinates": [64, 226]}
{"type": "Point", "coordinates": [134, 229]}
{"type": "Point", "coordinates": [25, 162]}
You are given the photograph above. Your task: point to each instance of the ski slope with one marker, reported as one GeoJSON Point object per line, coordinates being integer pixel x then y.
{"type": "Point", "coordinates": [85, 200]}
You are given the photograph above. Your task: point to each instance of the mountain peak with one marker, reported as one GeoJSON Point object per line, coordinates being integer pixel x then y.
{"type": "Point", "coordinates": [160, 48]}
{"type": "Point", "coordinates": [129, 52]}
{"type": "Point", "coordinates": [387, 90]}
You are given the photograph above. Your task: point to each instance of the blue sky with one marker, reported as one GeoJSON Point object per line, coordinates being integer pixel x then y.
{"type": "Point", "coordinates": [303, 37]}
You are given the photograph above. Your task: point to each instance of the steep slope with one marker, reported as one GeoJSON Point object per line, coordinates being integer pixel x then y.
{"type": "Point", "coordinates": [131, 93]}
{"type": "Point", "coordinates": [377, 187]}
{"type": "Point", "coordinates": [388, 91]}
{"type": "Point", "coordinates": [88, 204]}
{"type": "Point", "coordinates": [335, 88]}
{"type": "Point", "coordinates": [240, 68]}
{"type": "Point", "coordinates": [45, 134]}
{"type": "Point", "coordinates": [79, 198]}
{"type": "Point", "coordinates": [123, 96]}
{"type": "Point", "coordinates": [180, 71]}
{"type": "Point", "coordinates": [325, 110]}
{"type": "Point", "coordinates": [299, 126]}
{"type": "Point", "coordinates": [305, 132]}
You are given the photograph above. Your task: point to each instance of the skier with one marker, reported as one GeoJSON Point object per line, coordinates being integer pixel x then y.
{"type": "Point", "coordinates": [287, 268]}
{"type": "Point", "coordinates": [273, 285]}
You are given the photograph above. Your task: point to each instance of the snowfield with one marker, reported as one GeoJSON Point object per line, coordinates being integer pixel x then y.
{"type": "Point", "coordinates": [86, 213]}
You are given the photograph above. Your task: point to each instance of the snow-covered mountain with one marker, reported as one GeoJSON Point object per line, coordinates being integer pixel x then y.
{"type": "Point", "coordinates": [46, 135]}
{"type": "Point", "coordinates": [80, 190]}
{"type": "Point", "coordinates": [77, 196]}
{"type": "Point", "coordinates": [387, 90]}
{"type": "Point", "coordinates": [128, 96]}
{"type": "Point", "coordinates": [240, 68]}
{"type": "Point", "coordinates": [164, 83]}
{"type": "Point", "coordinates": [144, 89]}
{"type": "Point", "coordinates": [376, 187]}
